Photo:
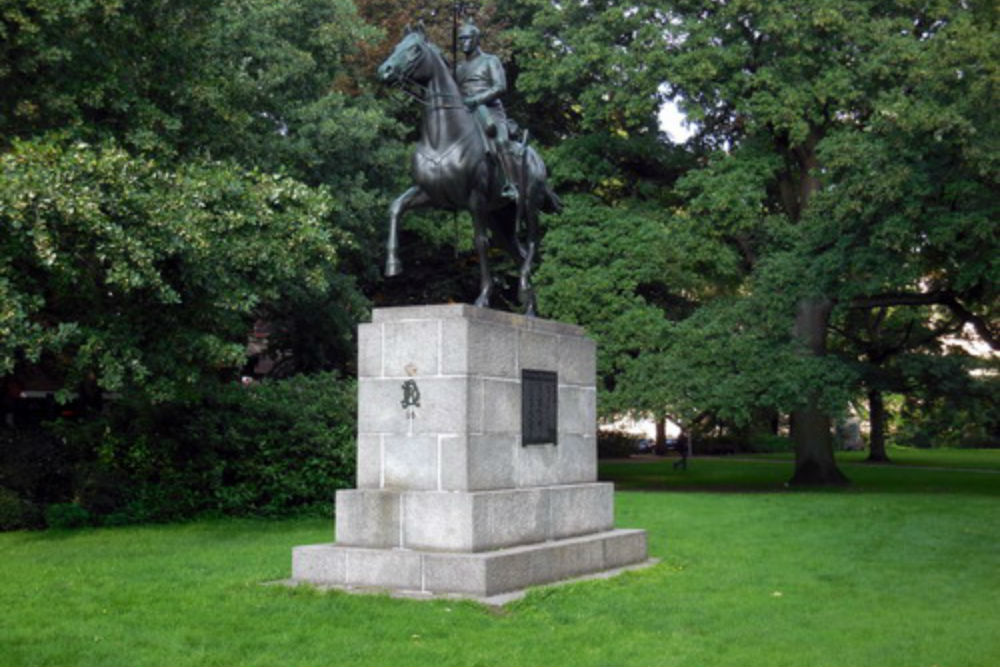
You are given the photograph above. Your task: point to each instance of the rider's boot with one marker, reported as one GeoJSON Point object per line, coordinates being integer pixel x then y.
{"type": "Point", "coordinates": [509, 189]}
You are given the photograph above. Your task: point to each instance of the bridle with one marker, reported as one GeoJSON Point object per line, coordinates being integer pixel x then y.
{"type": "Point", "coordinates": [425, 96]}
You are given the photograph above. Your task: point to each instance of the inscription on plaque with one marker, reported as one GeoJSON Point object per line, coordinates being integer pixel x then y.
{"type": "Point", "coordinates": [539, 407]}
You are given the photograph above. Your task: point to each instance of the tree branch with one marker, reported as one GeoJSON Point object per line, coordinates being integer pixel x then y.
{"type": "Point", "coordinates": [981, 326]}
{"type": "Point", "coordinates": [945, 298]}
{"type": "Point", "coordinates": [899, 299]}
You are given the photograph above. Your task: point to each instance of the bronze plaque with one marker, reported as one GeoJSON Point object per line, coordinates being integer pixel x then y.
{"type": "Point", "coordinates": [539, 407]}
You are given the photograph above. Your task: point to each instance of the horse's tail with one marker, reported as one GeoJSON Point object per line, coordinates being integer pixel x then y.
{"type": "Point", "coordinates": [550, 201]}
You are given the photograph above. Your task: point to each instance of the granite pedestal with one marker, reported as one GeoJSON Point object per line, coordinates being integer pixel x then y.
{"type": "Point", "coordinates": [477, 459]}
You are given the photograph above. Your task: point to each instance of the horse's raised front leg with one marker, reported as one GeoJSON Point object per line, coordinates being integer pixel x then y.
{"type": "Point", "coordinates": [412, 198]}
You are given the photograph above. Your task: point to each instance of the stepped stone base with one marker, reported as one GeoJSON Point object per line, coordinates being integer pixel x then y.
{"type": "Point", "coordinates": [477, 460]}
{"type": "Point", "coordinates": [480, 574]}
{"type": "Point", "coordinates": [472, 521]}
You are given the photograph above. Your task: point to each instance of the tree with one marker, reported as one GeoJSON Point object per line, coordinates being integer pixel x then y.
{"type": "Point", "coordinates": [233, 86]}
{"type": "Point", "coordinates": [815, 83]}
{"type": "Point", "coordinates": [262, 83]}
{"type": "Point", "coordinates": [645, 262]}
{"type": "Point", "coordinates": [916, 217]}
{"type": "Point", "coordinates": [121, 276]}
{"type": "Point", "coordinates": [847, 169]}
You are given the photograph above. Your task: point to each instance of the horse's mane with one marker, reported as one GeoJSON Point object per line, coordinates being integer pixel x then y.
{"type": "Point", "coordinates": [436, 50]}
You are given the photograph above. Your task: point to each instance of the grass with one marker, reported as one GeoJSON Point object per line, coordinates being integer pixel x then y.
{"type": "Point", "coordinates": [901, 569]}
{"type": "Point", "coordinates": [988, 459]}
{"type": "Point", "coordinates": [960, 472]}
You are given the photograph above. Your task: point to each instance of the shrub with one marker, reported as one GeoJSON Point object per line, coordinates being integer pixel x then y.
{"type": "Point", "coordinates": [37, 465]}
{"type": "Point", "coordinates": [269, 449]}
{"type": "Point", "coordinates": [616, 444]}
{"type": "Point", "coordinates": [63, 516]}
{"type": "Point", "coordinates": [970, 419]}
{"type": "Point", "coordinates": [764, 443]}
{"type": "Point", "coordinates": [280, 446]}
{"type": "Point", "coordinates": [36, 469]}
{"type": "Point", "coordinates": [11, 510]}
{"type": "Point", "coordinates": [716, 446]}
{"type": "Point", "coordinates": [980, 442]}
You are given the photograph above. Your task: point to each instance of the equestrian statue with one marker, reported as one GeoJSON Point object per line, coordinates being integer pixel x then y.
{"type": "Point", "coordinates": [470, 156]}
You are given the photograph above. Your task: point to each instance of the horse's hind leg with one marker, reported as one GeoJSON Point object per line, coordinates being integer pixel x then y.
{"type": "Point", "coordinates": [481, 224]}
{"type": "Point", "coordinates": [412, 198]}
{"type": "Point", "coordinates": [503, 224]}
{"type": "Point", "coordinates": [525, 289]}
{"type": "Point", "coordinates": [529, 215]}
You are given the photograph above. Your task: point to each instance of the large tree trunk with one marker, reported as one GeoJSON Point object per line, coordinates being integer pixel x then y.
{"type": "Point", "coordinates": [876, 416]}
{"type": "Point", "coordinates": [810, 427]}
{"type": "Point", "coordinates": [661, 434]}
{"type": "Point", "coordinates": [814, 462]}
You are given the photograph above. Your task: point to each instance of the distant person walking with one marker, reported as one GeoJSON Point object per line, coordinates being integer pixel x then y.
{"type": "Point", "coordinates": [681, 445]}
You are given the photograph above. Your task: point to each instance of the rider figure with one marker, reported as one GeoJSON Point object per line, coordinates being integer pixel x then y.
{"type": "Point", "coordinates": [482, 81]}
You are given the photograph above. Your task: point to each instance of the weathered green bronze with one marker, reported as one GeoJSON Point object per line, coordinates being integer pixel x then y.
{"type": "Point", "coordinates": [482, 80]}
{"type": "Point", "coordinates": [465, 159]}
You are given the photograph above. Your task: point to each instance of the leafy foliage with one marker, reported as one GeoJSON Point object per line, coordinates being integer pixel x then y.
{"type": "Point", "coordinates": [66, 516]}
{"type": "Point", "coordinates": [616, 444]}
{"type": "Point", "coordinates": [842, 167]}
{"type": "Point", "coordinates": [141, 279]}
{"type": "Point", "coordinates": [268, 449]}
{"type": "Point", "coordinates": [241, 79]}
{"type": "Point", "coordinates": [279, 446]}
{"type": "Point", "coordinates": [14, 511]}
{"type": "Point", "coordinates": [267, 86]}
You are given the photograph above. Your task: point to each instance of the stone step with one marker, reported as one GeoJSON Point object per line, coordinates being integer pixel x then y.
{"type": "Point", "coordinates": [481, 574]}
{"type": "Point", "coordinates": [472, 521]}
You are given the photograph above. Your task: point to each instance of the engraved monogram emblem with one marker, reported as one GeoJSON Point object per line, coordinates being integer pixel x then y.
{"type": "Point", "coordinates": [411, 395]}
{"type": "Point", "coordinates": [410, 402]}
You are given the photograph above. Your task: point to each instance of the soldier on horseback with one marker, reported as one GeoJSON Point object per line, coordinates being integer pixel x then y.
{"type": "Point", "coordinates": [457, 165]}
{"type": "Point", "coordinates": [482, 80]}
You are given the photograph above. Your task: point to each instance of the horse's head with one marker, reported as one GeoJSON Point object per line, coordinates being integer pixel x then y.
{"type": "Point", "coordinates": [410, 60]}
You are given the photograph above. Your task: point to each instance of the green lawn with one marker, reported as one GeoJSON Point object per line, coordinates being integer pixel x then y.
{"type": "Point", "coordinates": [908, 456]}
{"type": "Point", "coordinates": [954, 471]}
{"type": "Point", "coordinates": [901, 569]}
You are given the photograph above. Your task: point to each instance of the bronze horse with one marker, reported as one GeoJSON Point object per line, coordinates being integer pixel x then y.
{"type": "Point", "coordinates": [452, 170]}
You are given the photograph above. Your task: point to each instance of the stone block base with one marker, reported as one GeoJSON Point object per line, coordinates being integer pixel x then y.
{"type": "Point", "coordinates": [480, 574]}
{"type": "Point", "coordinates": [471, 521]}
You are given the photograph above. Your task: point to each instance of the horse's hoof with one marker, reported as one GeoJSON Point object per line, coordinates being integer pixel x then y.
{"type": "Point", "coordinates": [393, 267]}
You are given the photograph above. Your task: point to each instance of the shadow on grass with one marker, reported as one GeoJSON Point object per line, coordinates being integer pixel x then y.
{"type": "Point", "coordinates": [769, 476]}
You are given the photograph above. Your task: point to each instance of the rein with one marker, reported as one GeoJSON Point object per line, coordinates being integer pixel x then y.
{"type": "Point", "coordinates": [427, 98]}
